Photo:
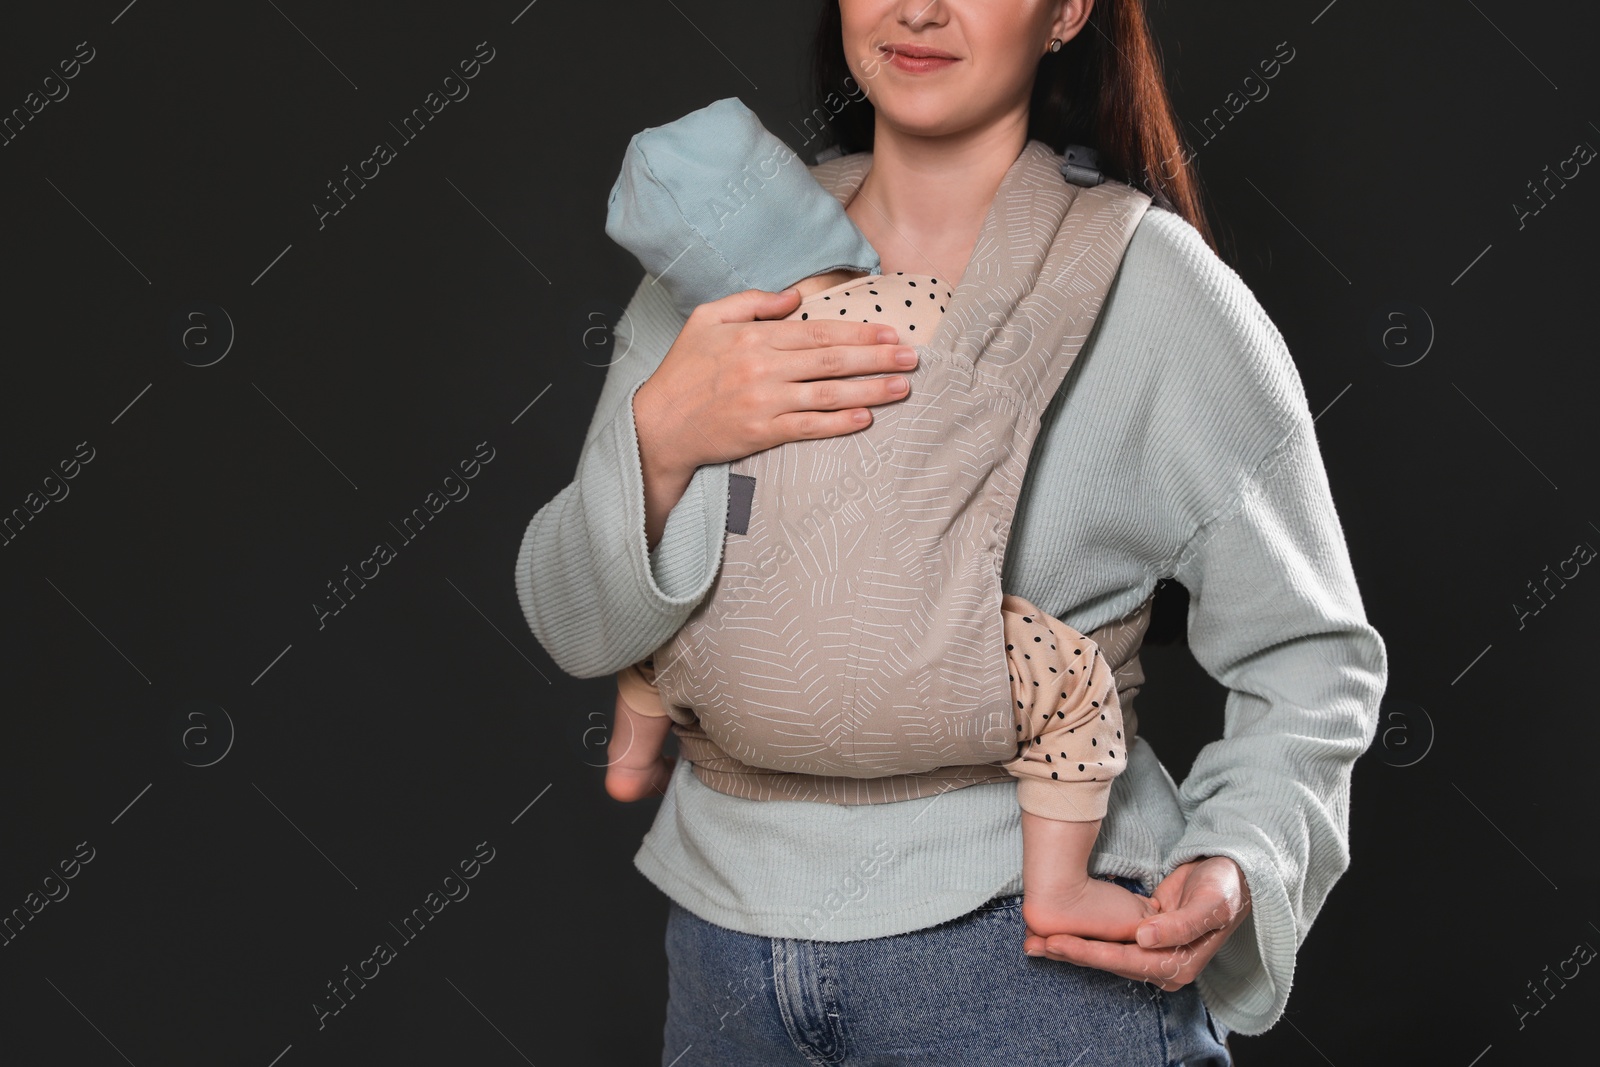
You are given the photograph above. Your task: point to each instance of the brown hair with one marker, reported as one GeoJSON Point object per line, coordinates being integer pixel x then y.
{"type": "Point", "coordinates": [1104, 89]}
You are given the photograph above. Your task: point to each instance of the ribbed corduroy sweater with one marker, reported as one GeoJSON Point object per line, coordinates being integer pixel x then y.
{"type": "Point", "coordinates": [1180, 445]}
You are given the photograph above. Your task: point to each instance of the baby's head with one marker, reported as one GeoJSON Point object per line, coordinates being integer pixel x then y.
{"type": "Point", "coordinates": [706, 201]}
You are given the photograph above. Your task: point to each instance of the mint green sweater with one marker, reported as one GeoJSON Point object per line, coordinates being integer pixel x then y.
{"type": "Point", "coordinates": [1180, 445]}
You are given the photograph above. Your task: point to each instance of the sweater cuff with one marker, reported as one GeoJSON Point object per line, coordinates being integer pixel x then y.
{"type": "Point", "coordinates": [1064, 801]}
{"type": "Point", "coordinates": [680, 569]}
{"type": "Point", "coordinates": [1246, 984]}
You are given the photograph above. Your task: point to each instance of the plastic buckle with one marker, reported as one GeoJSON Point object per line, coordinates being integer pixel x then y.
{"type": "Point", "coordinates": [1080, 165]}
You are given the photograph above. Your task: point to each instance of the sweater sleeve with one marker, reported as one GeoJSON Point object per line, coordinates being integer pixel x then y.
{"type": "Point", "coordinates": [1275, 615]}
{"type": "Point", "coordinates": [593, 594]}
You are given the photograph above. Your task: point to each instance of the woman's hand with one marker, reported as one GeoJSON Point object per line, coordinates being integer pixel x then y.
{"type": "Point", "coordinates": [732, 385]}
{"type": "Point", "coordinates": [1201, 903]}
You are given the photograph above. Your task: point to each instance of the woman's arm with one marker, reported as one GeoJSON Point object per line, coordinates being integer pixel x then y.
{"type": "Point", "coordinates": [613, 566]}
{"type": "Point", "coordinates": [594, 592]}
{"type": "Point", "coordinates": [723, 384]}
{"type": "Point", "coordinates": [1275, 615]}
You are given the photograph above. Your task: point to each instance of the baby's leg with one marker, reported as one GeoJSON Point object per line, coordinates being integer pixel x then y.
{"type": "Point", "coordinates": [1069, 730]}
{"type": "Point", "coordinates": [1059, 897]}
{"type": "Point", "coordinates": [635, 768]}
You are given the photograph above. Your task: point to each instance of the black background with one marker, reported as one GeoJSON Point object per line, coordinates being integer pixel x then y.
{"type": "Point", "coordinates": [349, 767]}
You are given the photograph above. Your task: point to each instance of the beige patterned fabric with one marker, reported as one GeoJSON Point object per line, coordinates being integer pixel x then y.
{"type": "Point", "coordinates": [636, 684]}
{"type": "Point", "coordinates": [851, 647]}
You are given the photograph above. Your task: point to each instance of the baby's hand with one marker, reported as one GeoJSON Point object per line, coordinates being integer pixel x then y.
{"type": "Point", "coordinates": [635, 767]}
{"type": "Point", "coordinates": [1097, 909]}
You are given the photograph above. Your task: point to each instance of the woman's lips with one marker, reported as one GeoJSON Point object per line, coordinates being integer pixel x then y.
{"type": "Point", "coordinates": [918, 64]}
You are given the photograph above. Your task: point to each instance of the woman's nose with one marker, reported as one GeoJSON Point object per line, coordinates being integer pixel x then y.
{"type": "Point", "coordinates": [919, 13]}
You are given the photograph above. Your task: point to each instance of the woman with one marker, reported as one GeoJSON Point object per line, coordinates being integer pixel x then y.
{"type": "Point", "coordinates": [1180, 446]}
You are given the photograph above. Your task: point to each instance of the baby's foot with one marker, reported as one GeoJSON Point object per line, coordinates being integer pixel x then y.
{"type": "Point", "coordinates": [635, 767]}
{"type": "Point", "coordinates": [1094, 909]}
{"type": "Point", "coordinates": [629, 784]}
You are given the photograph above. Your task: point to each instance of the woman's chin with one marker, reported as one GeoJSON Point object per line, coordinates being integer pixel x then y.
{"type": "Point", "coordinates": [920, 115]}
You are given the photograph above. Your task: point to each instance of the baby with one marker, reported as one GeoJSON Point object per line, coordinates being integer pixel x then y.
{"type": "Point", "coordinates": [1068, 719]}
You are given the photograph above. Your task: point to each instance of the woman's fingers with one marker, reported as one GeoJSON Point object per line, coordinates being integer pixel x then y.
{"type": "Point", "coordinates": [750, 304]}
{"type": "Point", "coordinates": [828, 355]}
{"type": "Point", "coordinates": [835, 394]}
{"type": "Point", "coordinates": [796, 334]}
{"type": "Point", "coordinates": [1169, 968]}
{"type": "Point", "coordinates": [1184, 924]}
{"type": "Point", "coordinates": [826, 361]}
{"type": "Point", "coordinates": [819, 389]}
{"type": "Point", "coordinates": [1118, 957]}
{"type": "Point", "coordinates": [1200, 896]}
{"type": "Point", "coordinates": [735, 383]}
{"type": "Point", "coordinates": [811, 425]}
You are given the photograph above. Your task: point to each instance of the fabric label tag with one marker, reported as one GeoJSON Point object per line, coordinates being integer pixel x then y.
{"type": "Point", "coordinates": [741, 490]}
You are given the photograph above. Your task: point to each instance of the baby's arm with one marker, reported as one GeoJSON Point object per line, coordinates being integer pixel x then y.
{"type": "Point", "coordinates": [713, 204]}
{"type": "Point", "coordinates": [635, 768]}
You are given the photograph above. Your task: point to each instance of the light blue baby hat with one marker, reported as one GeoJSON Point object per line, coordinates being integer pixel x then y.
{"type": "Point", "coordinates": [687, 204]}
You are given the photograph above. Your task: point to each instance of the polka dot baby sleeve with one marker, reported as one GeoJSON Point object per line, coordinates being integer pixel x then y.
{"type": "Point", "coordinates": [1069, 721]}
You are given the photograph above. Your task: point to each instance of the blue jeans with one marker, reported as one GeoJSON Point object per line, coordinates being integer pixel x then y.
{"type": "Point", "coordinates": [959, 993]}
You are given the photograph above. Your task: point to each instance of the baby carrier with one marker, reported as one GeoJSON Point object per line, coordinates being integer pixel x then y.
{"type": "Point", "coordinates": [851, 646]}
